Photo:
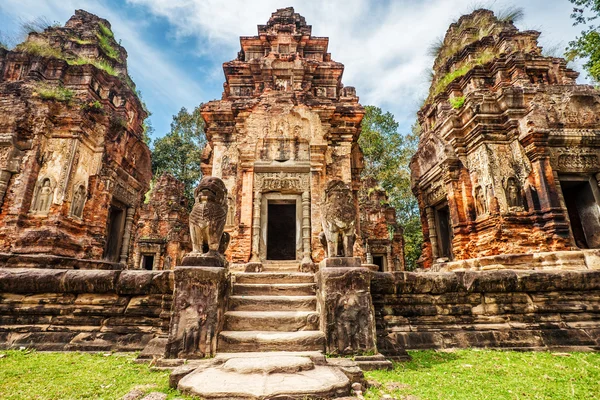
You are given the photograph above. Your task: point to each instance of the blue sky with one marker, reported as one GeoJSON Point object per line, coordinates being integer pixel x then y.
{"type": "Point", "coordinates": [176, 47]}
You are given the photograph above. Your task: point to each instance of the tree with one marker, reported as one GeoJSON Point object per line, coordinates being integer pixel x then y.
{"type": "Point", "coordinates": [387, 156]}
{"type": "Point", "coordinates": [587, 45]}
{"type": "Point", "coordinates": [179, 151]}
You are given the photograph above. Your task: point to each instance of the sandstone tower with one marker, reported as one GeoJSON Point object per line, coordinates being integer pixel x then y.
{"type": "Point", "coordinates": [508, 158]}
{"type": "Point", "coordinates": [286, 125]}
{"type": "Point", "coordinates": [73, 165]}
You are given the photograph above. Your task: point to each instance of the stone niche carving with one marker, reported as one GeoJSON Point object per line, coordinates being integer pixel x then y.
{"type": "Point", "coordinates": [43, 196]}
{"type": "Point", "coordinates": [338, 217]}
{"type": "Point", "coordinates": [207, 222]}
{"type": "Point", "coordinates": [480, 203]}
{"type": "Point", "coordinates": [79, 195]}
{"type": "Point", "coordinates": [514, 196]}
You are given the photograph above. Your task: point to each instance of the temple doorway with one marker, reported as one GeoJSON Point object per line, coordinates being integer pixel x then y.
{"type": "Point", "coordinates": [444, 231]}
{"type": "Point", "coordinates": [281, 230]}
{"type": "Point", "coordinates": [116, 227]}
{"type": "Point", "coordinates": [583, 212]}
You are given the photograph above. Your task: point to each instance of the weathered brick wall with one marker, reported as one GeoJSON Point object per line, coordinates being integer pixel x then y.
{"type": "Point", "coordinates": [87, 310]}
{"type": "Point", "coordinates": [507, 309]}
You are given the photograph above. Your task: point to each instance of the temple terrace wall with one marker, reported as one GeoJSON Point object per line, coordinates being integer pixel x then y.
{"type": "Point", "coordinates": [500, 309]}
{"type": "Point", "coordinates": [87, 310]}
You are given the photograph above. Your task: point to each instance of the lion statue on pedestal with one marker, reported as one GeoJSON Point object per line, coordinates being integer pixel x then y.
{"type": "Point", "coordinates": [208, 217]}
{"type": "Point", "coordinates": [338, 217]}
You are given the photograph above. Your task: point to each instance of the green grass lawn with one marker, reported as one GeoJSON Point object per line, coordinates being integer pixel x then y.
{"type": "Point", "coordinates": [40, 375]}
{"type": "Point", "coordinates": [464, 374]}
{"type": "Point", "coordinates": [488, 374]}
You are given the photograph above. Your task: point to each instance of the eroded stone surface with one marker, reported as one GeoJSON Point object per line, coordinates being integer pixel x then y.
{"type": "Point", "coordinates": [266, 381]}
{"type": "Point", "coordinates": [506, 162]}
{"type": "Point", "coordinates": [268, 365]}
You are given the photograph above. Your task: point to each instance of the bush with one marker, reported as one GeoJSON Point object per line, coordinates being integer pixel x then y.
{"type": "Point", "coordinates": [457, 102]}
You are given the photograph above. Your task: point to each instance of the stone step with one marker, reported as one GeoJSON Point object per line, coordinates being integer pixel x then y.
{"type": "Point", "coordinates": [274, 277]}
{"type": "Point", "coordinates": [275, 289]}
{"type": "Point", "coordinates": [235, 342]}
{"type": "Point", "coordinates": [280, 267]}
{"type": "Point", "coordinates": [272, 303]}
{"type": "Point", "coordinates": [273, 321]}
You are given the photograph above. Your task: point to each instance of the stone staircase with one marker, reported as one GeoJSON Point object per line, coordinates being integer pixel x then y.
{"type": "Point", "coordinates": [273, 310]}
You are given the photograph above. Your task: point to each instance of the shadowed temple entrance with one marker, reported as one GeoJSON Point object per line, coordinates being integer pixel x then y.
{"type": "Point", "coordinates": [281, 231]}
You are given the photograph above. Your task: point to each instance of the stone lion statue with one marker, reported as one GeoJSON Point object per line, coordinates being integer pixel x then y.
{"type": "Point", "coordinates": [338, 217]}
{"type": "Point", "coordinates": [208, 217]}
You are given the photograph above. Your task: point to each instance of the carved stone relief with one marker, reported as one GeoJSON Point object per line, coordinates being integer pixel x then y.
{"type": "Point", "coordinates": [79, 195]}
{"type": "Point", "coordinates": [282, 182]}
{"type": "Point", "coordinates": [43, 196]}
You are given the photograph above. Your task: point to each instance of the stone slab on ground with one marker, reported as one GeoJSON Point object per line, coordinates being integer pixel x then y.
{"type": "Point", "coordinates": [259, 376]}
{"type": "Point", "coordinates": [154, 349]}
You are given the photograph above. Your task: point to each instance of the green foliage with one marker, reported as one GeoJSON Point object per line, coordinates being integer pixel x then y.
{"type": "Point", "coordinates": [387, 156]}
{"type": "Point", "coordinates": [489, 374]}
{"type": "Point", "coordinates": [105, 31]}
{"type": "Point", "coordinates": [510, 14]}
{"type": "Point", "coordinates": [71, 376]}
{"type": "Point", "coordinates": [58, 93]}
{"type": "Point", "coordinates": [80, 40]}
{"type": "Point", "coordinates": [93, 106]}
{"type": "Point", "coordinates": [587, 45]}
{"type": "Point", "coordinates": [98, 63]}
{"type": "Point", "coordinates": [106, 46]}
{"type": "Point", "coordinates": [179, 152]}
{"type": "Point", "coordinates": [457, 102]}
{"type": "Point", "coordinates": [447, 79]}
{"type": "Point", "coordinates": [41, 49]}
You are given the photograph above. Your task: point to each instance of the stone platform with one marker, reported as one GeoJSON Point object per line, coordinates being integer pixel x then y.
{"type": "Point", "coordinates": [245, 376]}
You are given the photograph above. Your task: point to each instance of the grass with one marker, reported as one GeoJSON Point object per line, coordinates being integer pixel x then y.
{"type": "Point", "coordinates": [457, 102]}
{"type": "Point", "coordinates": [431, 375]}
{"type": "Point", "coordinates": [488, 374]}
{"type": "Point", "coordinates": [107, 48]}
{"type": "Point", "coordinates": [58, 93]}
{"type": "Point", "coordinates": [41, 49]}
{"type": "Point", "coordinates": [98, 63]}
{"type": "Point", "coordinates": [65, 376]}
{"type": "Point", "coordinates": [105, 30]}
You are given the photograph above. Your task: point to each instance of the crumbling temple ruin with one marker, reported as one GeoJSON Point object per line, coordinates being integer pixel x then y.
{"type": "Point", "coordinates": [287, 255]}
{"type": "Point", "coordinates": [74, 167]}
{"type": "Point", "coordinates": [508, 159]}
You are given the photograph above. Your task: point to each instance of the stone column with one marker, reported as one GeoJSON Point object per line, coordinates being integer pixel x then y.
{"type": "Point", "coordinates": [432, 232]}
{"type": "Point", "coordinates": [127, 234]}
{"type": "Point", "coordinates": [4, 179]}
{"type": "Point", "coordinates": [347, 313]}
{"type": "Point", "coordinates": [256, 228]}
{"type": "Point", "coordinates": [306, 259]}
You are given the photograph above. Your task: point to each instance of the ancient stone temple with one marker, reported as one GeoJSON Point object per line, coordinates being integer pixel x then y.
{"type": "Point", "coordinates": [162, 237]}
{"type": "Point", "coordinates": [508, 159]}
{"type": "Point", "coordinates": [285, 127]}
{"type": "Point", "coordinates": [73, 165]}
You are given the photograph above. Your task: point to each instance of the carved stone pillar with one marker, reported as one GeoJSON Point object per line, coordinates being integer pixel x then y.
{"type": "Point", "coordinates": [127, 234]}
{"type": "Point", "coordinates": [306, 228]}
{"type": "Point", "coordinates": [4, 179]}
{"type": "Point", "coordinates": [256, 228]}
{"type": "Point", "coordinates": [432, 232]}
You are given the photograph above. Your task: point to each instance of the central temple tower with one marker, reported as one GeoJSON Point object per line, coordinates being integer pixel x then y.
{"type": "Point", "coordinates": [285, 126]}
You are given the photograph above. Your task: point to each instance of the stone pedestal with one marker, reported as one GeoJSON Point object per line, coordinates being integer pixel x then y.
{"type": "Point", "coordinates": [203, 260]}
{"type": "Point", "coordinates": [340, 262]}
{"type": "Point", "coordinates": [347, 315]}
{"type": "Point", "coordinates": [198, 307]}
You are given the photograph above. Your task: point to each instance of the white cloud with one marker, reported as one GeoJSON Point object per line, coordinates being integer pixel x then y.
{"type": "Point", "coordinates": [382, 44]}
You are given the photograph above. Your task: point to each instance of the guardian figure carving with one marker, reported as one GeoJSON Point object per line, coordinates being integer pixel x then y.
{"type": "Point", "coordinates": [338, 217]}
{"type": "Point", "coordinates": [208, 217]}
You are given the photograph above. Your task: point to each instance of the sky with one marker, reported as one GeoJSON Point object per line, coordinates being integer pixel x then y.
{"type": "Point", "coordinates": [176, 48]}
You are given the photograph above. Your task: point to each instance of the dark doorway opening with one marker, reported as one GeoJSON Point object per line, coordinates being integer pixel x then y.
{"type": "Point", "coordinates": [148, 262]}
{"type": "Point", "coordinates": [116, 225]}
{"type": "Point", "coordinates": [281, 231]}
{"type": "Point", "coordinates": [379, 261]}
{"type": "Point", "coordinates": [583, 213]}
{"type": "Point", "coordinates": [444, 232]}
